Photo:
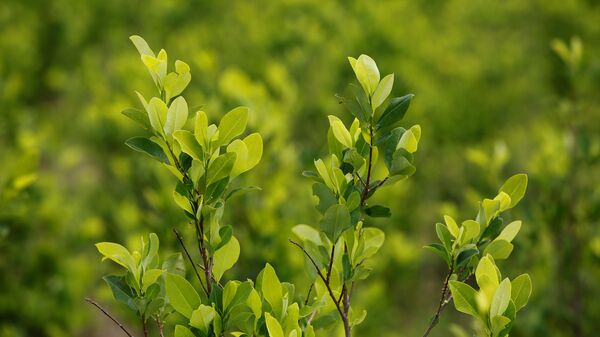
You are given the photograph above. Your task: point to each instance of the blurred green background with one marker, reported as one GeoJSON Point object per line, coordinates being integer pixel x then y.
{"type": "Point", "coordinates": [492, 97]}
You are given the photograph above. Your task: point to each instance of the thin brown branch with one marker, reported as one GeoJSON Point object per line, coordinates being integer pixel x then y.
{"type": "Point", "coordinates": [330, 267]}
{"type": "Point", "coordinates": [92, 302]}
{"type": "Point", "coordinates": [180, 239]}
{"type": "Point", "coordinates": [314, 263]}
{"type": "Point", "coordinates": [159, 324]}
{"type": "Point", "coordinates": [442, 304]}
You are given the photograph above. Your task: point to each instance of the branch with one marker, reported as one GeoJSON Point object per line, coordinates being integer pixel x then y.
{"type": "Point", "coordinates": [180, 239]}
{"type": "Point", "coordinates": [330, 263]}
{"type": "Point", "coordinates": [92, 302]}
{"type": "Point", "coordinates": [443, 302]}
{"type": "Point", "coordinates": [337, 304]}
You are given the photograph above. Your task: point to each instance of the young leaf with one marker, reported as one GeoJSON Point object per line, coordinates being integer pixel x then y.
{"type": "Point", "coordinates": [202, 317]}
{"type": "Point", "coordinates": [271, 289]}
{"type": "Point", "coordinates": [367, 73]}
{"type": "Point", "coordinates": [176, 115]}
{"type": "Point", "coordinates": [499, 249]}
{"type": "Point", "coordinates": [383, 91]}
{"type": "Point", "coordinates": [340, 132]}
{"type": "Point", "coordinates": [182, 331]}
{"type": "Point", "coordinates": [118, 254]}
{"type": "Point", "coordinates": [510, 231]}
{"type": "Point", "coordinates": [141, 45]}
{"type": "Point", "coordinates": [232, 124]}
{"type": "Point", "coordinates": [521, 290]}
{"type": "Point", "coordinates": [225, 257]}
{"type": "Point", "coordinates": [254, 143]}
{"type": "Point", "coordinates": [515, 187]}
{"type": "Point", "coordinates": [501, 298]}
{"type": "Point", "coordinates": [220, 168]}
{"type": "Point", "coordinates": [188, 144]}
{"type": "Point", "coordinates": [182, 296]}
{"type": "Point", "coordinates": [452, 226]}
{"type": "Point", "coordinates": [157, 114]}
{"type": "Point", "coordinates": [273, 326]}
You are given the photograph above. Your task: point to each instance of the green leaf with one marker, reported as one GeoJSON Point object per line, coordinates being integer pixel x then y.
{"type": "Point", "coordinates": [373, 240]}
{"type": "Point", "coordinates": [464, 298]}
{"type": "Point", "coordinates": [242, 190]}
{"type": "Point", "coordinates": [465, 256]}
{"type": "Point", "coordinates": [340, 132]}
{"type": "Point", "coordinates": [335, 220]}
{"type": "Point", "coordinates": [499, 249]}
{"type": "Point", "coordinates": [471, 230]}
{"type": "Point", "coordinates": [444, 235]}
{"type": "Point", "coordinates": [118, 254]}
{"type": "Point", "coordinates": [451, 225]}
{"type": "Point", "coordinates": [273, 326]}
{"type": "Point", "coordinates": [498, 323]}
{"type": "Point", "coordinates": [367, 73]}
{"type": "Point", "coordinates": [324, 173]}
{"type": "Point", "coordinates": [202, 317]}
{"type": "Point", "coordinates": [145, 145]}
{"type": "Point", "coordinates": [241, 156]}
{"type": "Point", "coordinates": [141, 45]}
{"type": "Point", "coordinates": [254, 143]}
{"type": "Point", "coordinates": [121, 291]}
{"type": "Point", "coordinates": [486, 267]}
{"type": "Point", "coordinates": [510, 231]}
{"type": "Point", "coordinates": [176, 115]}
{"type": "Point", "coordinates": [138, 116]}
{"type": "Point", "coordinates": [174, 264]}
{"type": "Point", "coordinates": [182, 296]}
{"type": "Point", "coordinates": [440, 250]}
{"type": "Point", "coordinates": [226, 257]}
{"type": "Point", "coordinates": [182, 331]}
{"type": "Point", "coordinates": [232, 124]}
{"type": "Point", "coordinates": [383, 91]}
{"type": "Point", "coordinates": [201, 129]}
{"type": "Point", "coordinates": [410, 139]}
{"type": "Point", "coordinates": [272, 290]}
{"type": "Point", "coordinates": [521, 291]}
{"type": "Point", "coordinates": [220, 168]}
{"type": "Point", "coordinates": [394, 112]}
{"type": "Point", "coordinates": [515, 187]}
{"type": "Point", "coordinates": [188, 143]}
{"type": "Point", "coordinates": [501, 298]}
{"type": "Point", "coordinates": [377, 211]}
{"type": "Point", "coordinates": [157, 113]}
{"type": "Point", "coordinates": [150, 276]}
{"type": "Point", "coordinates": [326, 197]}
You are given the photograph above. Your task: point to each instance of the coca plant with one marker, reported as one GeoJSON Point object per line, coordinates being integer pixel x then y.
{"type": "Point", "coordinates": [205, 158]}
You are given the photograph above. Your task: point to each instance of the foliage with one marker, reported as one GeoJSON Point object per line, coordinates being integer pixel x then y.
{"type": "Point", "coordinates": [493, 98]}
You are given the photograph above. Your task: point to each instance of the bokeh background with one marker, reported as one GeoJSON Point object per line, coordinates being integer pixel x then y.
{"type": "Point", "coordinates": [492, 96]}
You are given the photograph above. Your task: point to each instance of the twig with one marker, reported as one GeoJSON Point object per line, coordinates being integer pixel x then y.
{"type": "Point", "coordinates": [180, 239]}
{"type": "Point", "coordinates": [443, 302]}
{"type": "Point", "coordinates": [144, 326]}
{"type": "Point", "coordinates": [308, 294]}
{"type": "Point", "coordinates": [330, 263]}
{"type": "Point", "coordinates": [160, 327]}
{"type": "Point", "coordinates": [92, 302]}
{"type": "Point", "coordinates": [337, 304]}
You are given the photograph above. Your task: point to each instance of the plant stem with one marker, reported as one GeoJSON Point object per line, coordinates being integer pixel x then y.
{"type": "Point", "coordinates": [330, 263]}
{"type": "Point", "coordinates": [144, 326]}
{"type": "Point", "coordinates": [90, 301]}
{"type": "Point", "coordinates": [335, 301]}
{"type": "Point", "coordinates": [443, 302]}
{"type": "Point", "coordinates": [365, 193]}
{"type": "Point", "coordinates": [159, 324]}
{"type": "Point", "coordinates": [180, 239]}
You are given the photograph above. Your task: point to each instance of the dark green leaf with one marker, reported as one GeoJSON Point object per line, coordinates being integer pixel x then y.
{"type": "Point", "coordinates": [335, 220]}
{"type": "Point", "coordinates": [148, 147]}
{"type": "Point", "coordinates": [378, 211]}
{"type": "Point", "coordinates": [394, 112]}
{"type": "Point", "coordinates": [138, 116]}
